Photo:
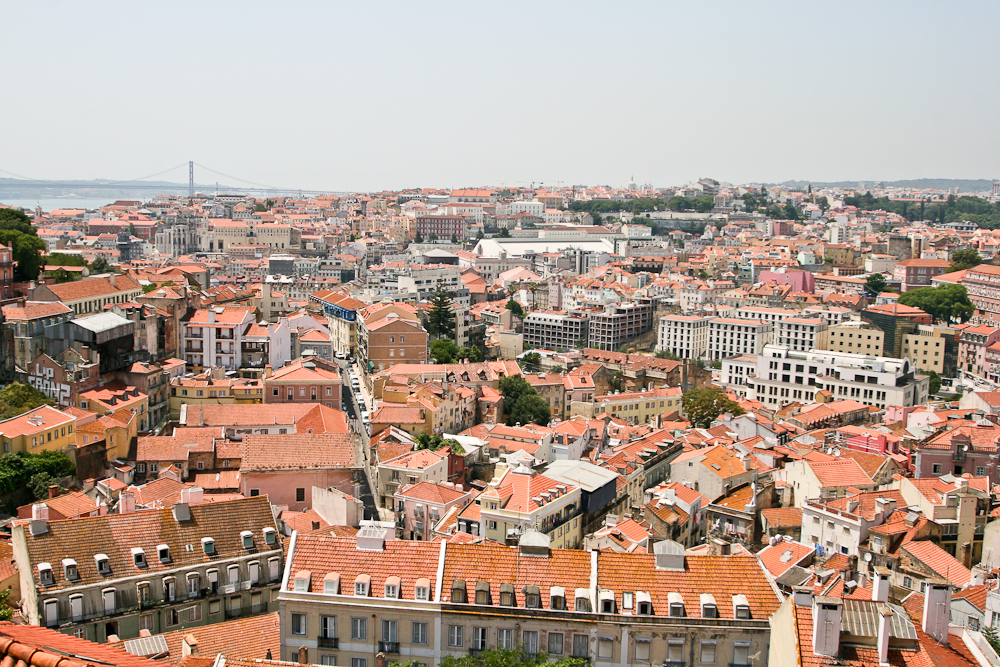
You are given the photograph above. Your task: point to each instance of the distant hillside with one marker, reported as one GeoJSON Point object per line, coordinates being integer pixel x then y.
{"type": "Point", "coordinates": [963, 184]}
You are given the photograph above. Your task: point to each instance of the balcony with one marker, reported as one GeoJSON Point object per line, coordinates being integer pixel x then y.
{"type": "Point", "coordinates": [388, 647]}
{"type": "Point", "coordinates": [327, 642]}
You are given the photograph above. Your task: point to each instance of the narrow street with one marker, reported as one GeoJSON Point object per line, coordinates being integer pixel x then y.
{"type": "Point", "coordinates": [360, 438]}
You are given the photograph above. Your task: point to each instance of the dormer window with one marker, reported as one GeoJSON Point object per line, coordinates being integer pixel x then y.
{"type": "Point", "coordinates": [269, 536]}
{"type": "Point", "coordinates": [628, 600]}
{"type": "Point", "coordinates": [557, 597]}
{"type": "Point", "coordinates": [103, 564]}
{"type": "Point", "coordinates": [70, 570]}
{"type": "Point", "coordinates": [507, 596]}
{"type": "Point", "coordinates": [392, 585]}
{"type": "Point", "coordinates": [246, 537]}
{"type": "Point", "coordinates": [581, 601]}
{"type": "Point", "coordinates": [361, 585]}
{"type": "Point", "coordinates": [458, 591]}
{"type": "Point", "coordinates": [607, 601]}
{"type": "Point", "coordinates": [163, 552]}
{"type": "Point", "coordinates": [644, 604]}
{"type": "Point", "coordinates": [302, 581]}
{"type": "Point", "coordinates": [676, 603]}
{"type": "Point", "coordinates": [208, 545]}
{"type": "Point", "coordinates": [45, 574]}
{"type": "Point", "coordinates": [483, 592]}
{"type": "Point", "coordinates": [741, 606]}
{"type": "Point", "coordinates": [422, 590]}
{"type": "Point", "coordinates": [708, 607]}
{"type": "Point", "coordinates": [532, 599]}
{"type": "Point", "coordinates": [138, 557]}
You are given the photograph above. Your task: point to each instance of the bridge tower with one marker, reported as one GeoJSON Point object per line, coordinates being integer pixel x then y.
{"type": "Point", "coordinates": [191, 178]}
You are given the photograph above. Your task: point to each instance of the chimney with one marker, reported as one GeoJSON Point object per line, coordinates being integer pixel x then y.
{"type": "Point", "coordinates": [189, 646]}
{"type": "Point", "coordinates": [304, 655]}
{"type": "Point", "coordinates": [39, 512]}
{"type": "Point", "coordinates": [126, 503]}
{"type": "Point", "coordinates": [827, 614]}
{"type": "Point", "coordinates": [937, 610]}
{"type": "Point", "coordinates": [88, 484]}
{"type": "Point", "coordinates": [268, 370]}
{"type": "Point", "coordinates": [111, 279]}
{"type": "Point", "coordinates": [211, 315]}
{"type": "Point", "coordinates": [884, 627]}
{"type": "Point", "coordinates": [53, 490]}
{"type": "Point", "coordinates": [880, 585]}
{"type": "Point", "coordinates": [978, 576]}
{"type": "Point", "coordinates": [802, 596]}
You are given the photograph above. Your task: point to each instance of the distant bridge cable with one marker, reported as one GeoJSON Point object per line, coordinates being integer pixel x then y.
{"type": "Point", "coordinates": [159, 173]}
{"type": "Point", "coordinates": [10, 173]}
{"type": "Point", "coordinates": [241, 180]}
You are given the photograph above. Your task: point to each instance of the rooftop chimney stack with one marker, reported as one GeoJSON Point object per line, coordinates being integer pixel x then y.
{"type": "Point", "coordinates": [880, 585]}
{"type": "Point", "coordinates": [937, 610]}
{"type": "Point", "coordinates": [827, 615]}
{"type": "Point", "coordinates": [884, 628]}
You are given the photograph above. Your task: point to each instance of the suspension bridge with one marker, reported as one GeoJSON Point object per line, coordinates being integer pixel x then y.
{"type": "Point", "coordinates": [233, 185]}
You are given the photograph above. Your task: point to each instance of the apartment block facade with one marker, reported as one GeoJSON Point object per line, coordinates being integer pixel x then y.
{"type": "Point", "coordinates": [731, 337]}
{"type": "Point", "coordinates": [555, 330]}
{"type": "Point", "coordinates": [683, 335]}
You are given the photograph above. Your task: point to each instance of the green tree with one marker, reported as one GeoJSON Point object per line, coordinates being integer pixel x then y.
{"type": "Point", "coordinates": [498, 657]}
{"type": "Point", "coordinates": [471, 354]}
{"type": "Point", "coordinates": [679, 204]}
{"type": "Point", "coordinates": [259, 208]}
{"type": "Point", "coordinates": [436, 442]}
{"type": "Point", "coordinates": [100, 265]}
{"type": "Point", "coordinates": [418, 238]}
{"type": "Point", "coordinates": [26, 250]}
{"type": "Point", "coordinates": [530, 408]}
{"type": "Point", "coordinates": [444, 351]}
{"type": "Point", "coordinates": [454, 239]}
{"type": "Point", "coordinates": [714, 364]}
{"type": "Point", "coordinates": [62, 259]}
{"type": "Point", "coordinates": [935, 382]}
{"type": "Point", "coordinates": [945, 303]}
{"type": "Point", "coordinates": [17, 470]}
{"type": "Point", "coordinates": [533, 289]}
{"type": "Point", "coordinates": [433, 237]}
{"type": "Point", "coordinates": [990, 633]}
{"type": "Point", "coordinates": [515, 307]}
{"type": "Point", "coordinates": [504, 233]}
{"type": "Point", "coordinates": [6, 611]}
{"type": "Point", "coordinates": [703, 274]}
{"type": "Point", "coordinates": [667, 354]}
{"type": "Point", "coordinates": [703, 406]}
{"type": "Point", "coordinates": [16, 220]}
{"type": "Point", "coordinates": [131, 229]}
{"type": "Point", "coordinates": [750, 202]}
{"type": "Point", "coordinates": [18, 398]}
{"type": "Point", "coordinates": [965, 259]}
{"type": "Point", "coordinates": [532, 362]}
{"type": "Point", "coordinates": [704, 203]}
{"type": "Point", "coordinates": [40, 483]}
{"type": "Point", "coordinates": [441, 319]}
{"type": "Point", "coordinates": [875, 283]}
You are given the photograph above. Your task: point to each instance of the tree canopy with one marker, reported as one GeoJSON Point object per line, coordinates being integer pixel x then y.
{"type": "Point", "coordinates": [703, 406]}
{"type": "Point", "coordinates": [17, 470]}
{"type": "Point", "coordinates": [436, 442]}
{"type": "Point", "coordinates": [522, 403]}
{"type": "Point", "coordinates": [441, 319]}
{"type": "Point", "coordinates": [18, 398]}
{"type": "Point", "coordinates": [965, 259]}
{"type": "Point", "coordinates": [444, 352]}
{"type": "Point", "coordinates": [16, 220]}
{"type": "Point", "coordinates": [953, 209]}
{"type": "Point", "coordinates": [516, 308]}
{"type": "Point", "coordinates": [875, 283]}
{"type": "Point", "coordinates": [945, 303]}
{"type": "Point", "coordinates": [498, 657]}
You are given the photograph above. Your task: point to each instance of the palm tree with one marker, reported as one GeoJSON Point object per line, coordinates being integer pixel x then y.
{"type": "Point", "coordinates": [533, 287]}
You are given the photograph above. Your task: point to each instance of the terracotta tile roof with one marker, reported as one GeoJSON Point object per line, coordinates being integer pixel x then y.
{"type": "Point", "coordinates": [304, 522]}
{"type": "Point", "coordinates": [780, 557]}
{"type": "Point", "coordinates": [322, 419]}
{"type": "Point", "coordinates": [842, 472]}
{"type": "Point", "coordinates": [940, 561]}
{"type": "Point", "coordinates": [171, 448]}
{"type": "Point", "coordinates": [398, 414]}
{"type": "Point", "coordinates": [247, 414]}
{"type": "Point", "coordinates": [32, 646]}
{"type": "Point", "coordinates": [637, 572]}
{"type": "Point", "coordinates": [22, 424]}
{"type": "Point", "coordinates": [262, 452]}
{"type": "Point", "coordinates": [416, 459]}
{"type": "Point", "coordinates": [35, 309]}
{"type": "Point", "coordinates": [518, 490]}
{"type": "Point", "coordinates": [116, 534]}
{"type": "Point", "coordinates": [250, 638]}
{"type": "Point", "coordinates": [976, 595]}
{"type": "Point", "coordinates": [89, 288]}
{"type": "Point", "coordinates": [430, 492]}
{"type": "Point", "coordinates": [783, 517]}
{"type": "Point", "coordinates": [223, 479]}
{"type": "Point", "coordinates": [71, 505]}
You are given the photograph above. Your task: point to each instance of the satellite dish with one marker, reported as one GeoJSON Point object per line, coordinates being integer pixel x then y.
{"type": "Point", "coordinates": [868, 557]}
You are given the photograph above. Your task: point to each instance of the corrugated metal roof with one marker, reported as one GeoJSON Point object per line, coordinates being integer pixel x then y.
{"type": "Point", "coordinates": [147, 646]}
{"type": "Point", "coordinates": [861, 618]}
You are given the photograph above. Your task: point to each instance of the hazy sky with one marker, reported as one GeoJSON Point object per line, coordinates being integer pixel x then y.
{"type": "Point", "coordinates": [371, 95]}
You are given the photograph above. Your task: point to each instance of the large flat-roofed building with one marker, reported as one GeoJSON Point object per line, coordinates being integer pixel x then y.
{"type": "Point", "coordinates": [855, 337]}
{"type": "Point", "coordinates": [781, 376]}
{"type": "Point", "coordinates": [349, 599]}
{"type": "Point", "coordinates": [683, 335]}
{"type": "Point", "coordinates": [619, 323]}
{"type": "Point", "coordinates": [732, 337]}
{"type": "Point", "coordinates": [555, 329]}
{"type": "Point", "coordinates": [799, 333]}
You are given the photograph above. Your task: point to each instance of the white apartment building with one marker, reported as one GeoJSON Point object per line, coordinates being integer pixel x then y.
{"type": "Point", "coordinates": [780, 376]}
{"type": "Point", "coordinates": [683, 335]}
{"type": "Point", "coordinates": [763, 314]}
{"type": "Point", "coordinates": [799, 333]}
{"type": "Point", "coordinates": [833, 315]}
{"type": "Point", "coordinates": [731, 337]}
{"type": "Point", "coordinates": [213, 337]}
